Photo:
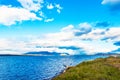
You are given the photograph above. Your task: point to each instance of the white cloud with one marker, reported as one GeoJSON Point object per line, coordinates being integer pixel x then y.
{"type": "Point", "coordinates": [59, 8]}
{"type": "Point", "coordinates": [85, 25]}
{"type": "Point", "coordinates": [21, 47]}
{"type": "Point", "coordinates": [110, 1]}
{"type": "Point", "coordinates": [69, 28]}
{"type": "Point", "coordinates": [49, 20]}
{"type": "Point", "coordinates": [95, 34]}
{"type": "Point", "coordinates": [84, 28]}
{"type": "Point", "coordinates": [11, 15]}
{"type": "Point", "coordinates": [42, 14]}
{"type": "Point", "coordinates": [89, 43]}
{"type": "Point", "coordinates": [111, 34]}
{"type": "Point", "coordinates": [113, 5]}
{"type": "Point", "coordinates": [50, 6]}
{"type": "Point", "coordinates": [30, 10]}
{"type": "Point", "coordinates": [32, 5]}
{"type": "Point", "coordinates": [97, 46]}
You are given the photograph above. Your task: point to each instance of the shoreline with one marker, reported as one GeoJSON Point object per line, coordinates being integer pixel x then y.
{"type": "Point", "coordinates": [114, 55]}
{"type": "Point", "coordinates": [70, 67]}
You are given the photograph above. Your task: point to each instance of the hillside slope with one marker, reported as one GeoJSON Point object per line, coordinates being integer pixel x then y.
{"type": "Point", "coordinates": [99, 69]}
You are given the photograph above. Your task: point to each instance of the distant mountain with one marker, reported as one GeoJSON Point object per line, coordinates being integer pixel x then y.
{"type": "Point", "coordinates": [40, 53]}
{"type": "Point", "coordinates": [45, 53]}
{"type": "Point", "coordinates": [109, 53]}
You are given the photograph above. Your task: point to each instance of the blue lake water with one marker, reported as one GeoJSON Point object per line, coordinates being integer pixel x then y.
{"type": "Point", "coordinates": [37, 67]}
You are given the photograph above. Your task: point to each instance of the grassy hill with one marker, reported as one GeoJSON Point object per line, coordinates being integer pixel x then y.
{"type": "Point", "coordinates": [99, 69]}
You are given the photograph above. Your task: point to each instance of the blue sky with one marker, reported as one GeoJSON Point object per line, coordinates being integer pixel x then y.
{"type": "Point", "coordinates": [85, 24]}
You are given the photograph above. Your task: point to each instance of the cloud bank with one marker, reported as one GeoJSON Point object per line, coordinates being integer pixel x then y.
{"type": "Point", "coordinates": [90, 40]}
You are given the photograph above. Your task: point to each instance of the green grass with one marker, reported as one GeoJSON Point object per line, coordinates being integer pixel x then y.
{"type": "Point", "coordinates": [99, 69]}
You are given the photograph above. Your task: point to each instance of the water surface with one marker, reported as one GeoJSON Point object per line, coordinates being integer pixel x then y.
{"type": "Point", "coordinates": [37, 67]}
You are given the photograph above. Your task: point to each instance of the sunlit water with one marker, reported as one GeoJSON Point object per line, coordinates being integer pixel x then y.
{"type": "Point", "coordinates": [37, 67]}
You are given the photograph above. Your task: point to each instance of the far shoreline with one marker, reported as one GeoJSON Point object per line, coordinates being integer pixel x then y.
{"type": "Point", "coordinates": [113, 54]}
